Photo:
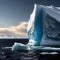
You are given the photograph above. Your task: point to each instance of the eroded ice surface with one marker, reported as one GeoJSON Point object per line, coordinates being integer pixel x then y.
{"type": "Point", "coordinates": [51, 27]}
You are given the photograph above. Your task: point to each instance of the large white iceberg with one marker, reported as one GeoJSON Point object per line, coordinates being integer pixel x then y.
{"type": "Point", "coordinates": [43, 28]}
{"type": "Point", "coordinates": [19, 46]}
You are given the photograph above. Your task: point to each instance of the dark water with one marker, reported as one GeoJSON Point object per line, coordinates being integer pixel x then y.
{"type": "Point", "coordinates": [30, 55]}
{"type": "Point", "coordinates": [7, 54]}
{"type": "Point", "coordinates": [9, 42]}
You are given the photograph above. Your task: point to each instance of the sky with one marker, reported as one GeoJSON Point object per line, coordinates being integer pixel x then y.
{"type": "Point", "coordinates": [14, 13]}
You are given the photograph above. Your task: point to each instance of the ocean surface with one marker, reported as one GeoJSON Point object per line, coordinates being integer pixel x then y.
{"type": "Point", "coordinates": [8, 54]}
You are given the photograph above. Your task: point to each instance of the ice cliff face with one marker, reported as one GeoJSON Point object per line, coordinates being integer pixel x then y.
{"type": "Point", "coordinates": [44, 26]}
{"type": "Point", "coordinates": [35, 26]}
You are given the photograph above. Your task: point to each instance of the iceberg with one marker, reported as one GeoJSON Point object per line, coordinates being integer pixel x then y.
{"type": "Point", "coordinates": [44, 26]}
{"type": "Point", "coordinates": [43, 29]}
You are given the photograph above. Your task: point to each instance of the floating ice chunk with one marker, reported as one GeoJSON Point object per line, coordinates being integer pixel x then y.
{"type": "Point", "coordinates": [19, 46]}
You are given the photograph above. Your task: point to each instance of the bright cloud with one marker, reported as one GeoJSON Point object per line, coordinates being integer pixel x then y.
{"type": "Point", "coordinates": [15, 31]}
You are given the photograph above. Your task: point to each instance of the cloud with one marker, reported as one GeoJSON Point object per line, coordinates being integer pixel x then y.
{"type": "Point", "coordinates": [15, 31]}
